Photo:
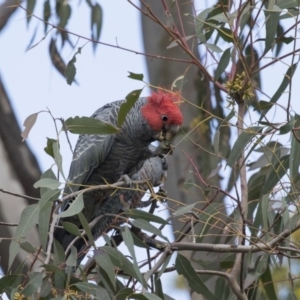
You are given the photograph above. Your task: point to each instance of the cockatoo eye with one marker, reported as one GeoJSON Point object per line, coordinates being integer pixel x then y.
{"type": "Point", "coordinates": [164, 118]}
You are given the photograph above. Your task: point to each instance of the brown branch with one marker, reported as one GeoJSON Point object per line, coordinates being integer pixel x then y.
{"type": "Point", "coordinates": [19, 195]}
{"type": "Point", "coordinates": [106, 44]}
{"type": "Point", "coordinates": [8, 224]}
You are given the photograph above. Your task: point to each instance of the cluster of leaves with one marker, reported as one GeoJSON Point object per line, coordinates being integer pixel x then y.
{"type": "Point", "coordinates": [56, 15]}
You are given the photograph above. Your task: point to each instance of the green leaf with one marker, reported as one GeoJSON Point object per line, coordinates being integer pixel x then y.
{"type": "Point", "coordinates": [184, 210]}
{"type": "Point", "coordinates": [86, 227]}
{"type": "Point", "coordinates": [245, 15]}
{"type": "Point", "coordinates": [239, 146]}
{"type": "Point", "coordinates": [213, 48]}
{"type": "Point", "coordinates": [139, 214]}
{"type": "Point", "coordinates": [71, 228]}
{"type": "Point", "coordinates": [26, 246]}
{"type": "Point", "coordinates": [29, 218]}
{"type": "Point", "coordinates": [29, 9]}
{"type": "Point", "coordinates": [105, 263]}
{"type": "Point", "coordinates": [200, 24]}
{"type": "Point", "coordinates": [120, 261]}
{"type": "Point", "coordinates": [49, 183]}
{"type": "Point", "coordinates": [131, 99]}
{"type": "Point", "coordinates": [128, 240]}
{"type": "Point", "coordinates": [158, 287]}
{"type": "Point", "coordinates": [279, 169]}
{"type": "Point", "coordinates": [224, 18]}
{"type": "Point", "coordinates": [184, 267]}
{"type": "Point", "coordinates": [47, 199]}
{"type": "Point", "coordinates": [285, 82]}
{"type": "Point", "coordinates": [217, 141]}
{"type": "Point", "coordinates": [268, 284]}
{"type": "Point", "coordinates": [142, 224]}
{"type": "Point", "coordinates": [225, 34]}
{"type": "Point", "coordinates": [262, 105]}
{"type": "Point", "coordinates": [72, 258]}
{"type": "Point", "coordinates": [223, 63]}
{"type": "Point", "coordinates": [96, 23]}
{"type": "Point", "coordinates": [124, 294]}
{"type": "Point", "coordinates": [188, 183]}
{"type": "Point", "coordinates": [164, 266]}
{"type": "Point", "coordinates": [7, 281]}
{"type": "Point", "coordinates": [58, 158]}
{"type": "Point", "coordinates": [49, 148]}
{"type": "Point", "coordinates": [145, 296]}
{"type": "Point", "coordinates": [63, 10]}
{"type": "Point", "coordinates": [287, 3]}
{"type": "Point", "coordinates": [74, 209]}
{"type": "Point", "coordinates": [139, 77]}
{"type": "Point", "coordinates": [46, 13]}
{"type": "Point", "coordinates": [34, 283]}
{"type": "Point", "coordinates": [59, 253]}
{"type": "Point", "coordinates": [272, 19]}
{"type": "Point", "coordinates": [295, 152]}
{"type": "Point", "coordinates": [88, 125]}
{"type": "Point", "coordinates": [286, 128]}
{"type": "Point", "coordinates": [70, 70]}
{"type": "Point", "coordinates": [91, 288]}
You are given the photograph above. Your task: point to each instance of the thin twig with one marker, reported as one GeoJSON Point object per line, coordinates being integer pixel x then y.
{"type": "Point", "coordinates": [19, 195]}
{"type": "Point", "coordinates": [9, 224]}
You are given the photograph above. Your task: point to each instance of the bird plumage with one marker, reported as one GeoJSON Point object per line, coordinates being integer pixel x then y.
{"type": "Point", "coordinates": [100, 159]}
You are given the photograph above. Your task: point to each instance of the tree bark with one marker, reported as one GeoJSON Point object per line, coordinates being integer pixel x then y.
{"type": "Point", "coordinates": [19, 171]}
{"type": "Point", "coordinates": [197, 90]}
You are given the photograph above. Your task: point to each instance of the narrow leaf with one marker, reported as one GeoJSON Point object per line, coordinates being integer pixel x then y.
{"type": "Point", "coordinates": [223, 63]}
{"type": "Point", "coordinates": [139, 77]}
{"type": "Point", "coordinates": [7, 281]}
{"type": "Point", "coordinates": [49, 148]}
{"type": "Point", "coordinates": [272, 19]}
{"type": "Point", "coordinates": [28, 124]}
{"type": "Point", "coordinates": [58, 158]}
{"type": "Point", "coordinates": [279, 169]}
{"type": "Point", "coordinates": [71, 228]}
{"type": "Point", "coordinates": [241, 143]}
{"type": "Point", "coordinates": [142, 224]}
{"type": "Point", "coordinates": [295, 152]}
{"type": "Point", "coordinates": [72, 258]}
{"type": "Point", "coordinates": [34, 283]}
{"type": "Point", "coordinates": [120, 261]}
{"type": "Point", "coordinates": [144, 296]}
{"type": "Point", "coordinates": [217, 141]}
{"type": "Point", "coordinates": [88, 125]}
{"type": "Point", "coordinates": [75, 208]}
{"type": "Point", "coordinates": [184, 209]}
{"type": "Point", "coordinates": [128, 240]}
{"type": "Point", "coordinates": [86, 227]}
{"type": "Point", "coordinates": [91, 288]}
{"type": "Point", "coordinates": [70, 71]}
{"type": "Point", "coordinates": [285, 82]}
{"type": "Point", "coordinates": [29, 9]}
{"type": "Point", "coordinates": [139, 214]}
{"type": "Point", "coordinates": [105, 263]}
{"type": "Point", "coordinates": [184, 267]}
{"type": "Point", "coordinates": [215, 171]}
{"type": "Point", "coordinates": [29, 218]}
{"type": "Point", "coordinates": [131, 99]}
{"type": "Point", "coordinates": [49, 183]}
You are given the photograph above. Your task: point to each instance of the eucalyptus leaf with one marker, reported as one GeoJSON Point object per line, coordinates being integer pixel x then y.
{"type": "Point", "coordinates": [86, 125]}
{"type": "Point", "coordinates": [74, 209]}
{"type": "Point", "coordinates": [131, 99]}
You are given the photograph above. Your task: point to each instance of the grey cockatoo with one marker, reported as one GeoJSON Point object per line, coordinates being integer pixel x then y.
{"type": "Point", "coordinates": [100, 159]}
